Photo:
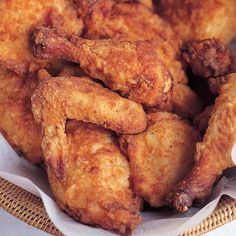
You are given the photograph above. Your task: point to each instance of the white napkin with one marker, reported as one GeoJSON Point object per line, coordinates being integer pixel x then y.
{"type": "Point", "coordinates": [163, 222]}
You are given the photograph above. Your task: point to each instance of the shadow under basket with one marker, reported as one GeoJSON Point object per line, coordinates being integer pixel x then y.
{"type": "Point", "coordinates": [29, 208]}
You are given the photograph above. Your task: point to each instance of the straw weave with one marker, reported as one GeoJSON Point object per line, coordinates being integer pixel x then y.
{"type": "Point", "coordinates": [29, 208]}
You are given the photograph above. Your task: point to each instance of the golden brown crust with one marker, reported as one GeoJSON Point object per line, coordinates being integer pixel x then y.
{"type": "Point", "coordinates": [198, 20]}
{"type": "Point", "coordinates": [213, 155]}
{"type": "Point", "coordinates": [183, 101]}
{"type": "Point", "coordinates": [132, 68]}
{"type": "Point", "coordinates": [186, 102]}
{"type": "Point", "coordinates": [62, 98]}
{"type": "Point", "coordinates": [97, 189]}
{"type": "Point", "coordinates": [207, 58]}
{"type": "Point", "coordinates": [161, 156]}
{"type": "Point", "coordinates": [19, 17]}
{"type": "Point", "coordinates": [16, 119]}
{"type": "Point", "coordinates": [108, 19]}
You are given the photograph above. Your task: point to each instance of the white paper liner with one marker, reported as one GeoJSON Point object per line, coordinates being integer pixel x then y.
{"type": "Point", "coordinates": [163, 222]}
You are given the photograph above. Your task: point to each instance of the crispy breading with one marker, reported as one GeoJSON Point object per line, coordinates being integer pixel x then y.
{"type": "Point", "coordinates": [61, 98]}
{"type": "Point", "coordinates": [183, 101]}
{"type": "Point", "coordinates": [213, 154]}
{"type": "Point", "coordinates": [186, 102]}
{"type": "Point", "coordinates": [109, 19]}
{"type": "Point", "coordinates": [96, 190]}
{"type": "Point", "coordinates": [16, 119]}
{"type": "Point", "coordinates": [133, 69]}
{"type": "Point", "coordinates": [200, 19]}
{"type": "Point", "coordinates": [207, 58]}
{"type": "Point", "coordinates": [161, 156]}
{"type": "Point", "coordinates": [19, 17]}
{"type": "Point", "coordinates": [116, 19]}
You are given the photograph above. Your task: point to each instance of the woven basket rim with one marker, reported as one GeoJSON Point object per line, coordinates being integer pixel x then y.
{"type": "Point", "coordinates": [29, 208]}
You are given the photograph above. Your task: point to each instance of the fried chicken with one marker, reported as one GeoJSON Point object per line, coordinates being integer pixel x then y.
{"type": "Point", "coordinates": [109, 19]}
{"type": "Point", "coordinates": [161, 156]}
{"type": "Point", "coordinates": [198, 20]}
{"type": "Point", "coordinates": [132, 68]}
{"type": "Point", "coordinates": [213, 154]}
{"type": "Point", "coordinates": [62, 98]}
{"type": "Point", "coordinates": [207, 58]}
{"type": "Point", "coordinates": [96, 189]}
{"type": "Point", "coordinates": [16, 119]}
{"type": "Point", "coordinates": [17, 19]}
{"type": "Point", "coordinates": [183, 102]}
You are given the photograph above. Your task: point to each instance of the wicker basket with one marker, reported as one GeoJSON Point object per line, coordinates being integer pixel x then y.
{"type": "Point", "coordinates": [29, 208]}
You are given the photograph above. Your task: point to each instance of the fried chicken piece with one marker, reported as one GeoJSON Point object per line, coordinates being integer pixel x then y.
{"type": "Point", "coordinates": [105, 19]}
{"type": "Point", "coordinates": [207, 58]}
{"type": "Point", "coordinates": [161, 156]}
{"type": "Point", "coordinates": [186, 102]}
{"type": "Point", "coordinates": [131, 68]}
{"type": "Point", "coordinates": [183, 102]}
{"type": "Point", "coordinates": [200, 122]}
{"type": "Point", "coordinates": [96, 190]}
{"type": "Point", "coordinates": [198, 20]}
{"type": "Point", "coordinates": [109, 19]}
{"type": "Point", "coordinates": [213, 154]}
{"type": "Point", "coordinates": [16, 119]}
{"type": "Point", "coordinates": [62, 98]}
{"type": "Point", "coordinates": [17, 19]}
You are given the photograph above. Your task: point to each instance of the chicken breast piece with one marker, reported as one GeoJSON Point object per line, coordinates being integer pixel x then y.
{"type": "Point", "coordinates": [161, 156]}
{"type": "Point", "coordinates": [213, 154]}
{"type": "Point", "coordinates": [133, 69]}
{"type": "Point", "coordinates": [96, 189]}
{"type": "Point", "coordinates": [19, 17]}
{"type": "Point", "coordinates": [198, 20]}
{"type": "Point", "coordinates": [16, 119]}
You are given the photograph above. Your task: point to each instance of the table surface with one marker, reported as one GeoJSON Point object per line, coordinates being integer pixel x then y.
{"type": "Point", "coordinates": [11, 226]}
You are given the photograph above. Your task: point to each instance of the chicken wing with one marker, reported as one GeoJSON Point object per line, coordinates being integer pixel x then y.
{"type": "Point", "coordinates": [109, 19]}
{"type": "Point", "coordinates": [213, 154]}
{"type": "Point", "coordinates": [17, 19]}
{"type": "Point", "coordinates": [16, 119]}
{"type": "Point", "coordinates": [96, 190]}
{"type": "Point", "coordinates": [198, 20]}
{"type": "Point", "coordinates": [161, 156]}
{"type": "Point", "coordinates": [132, 68]}
{"type": "Point", "coordinates": [61, 98]}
